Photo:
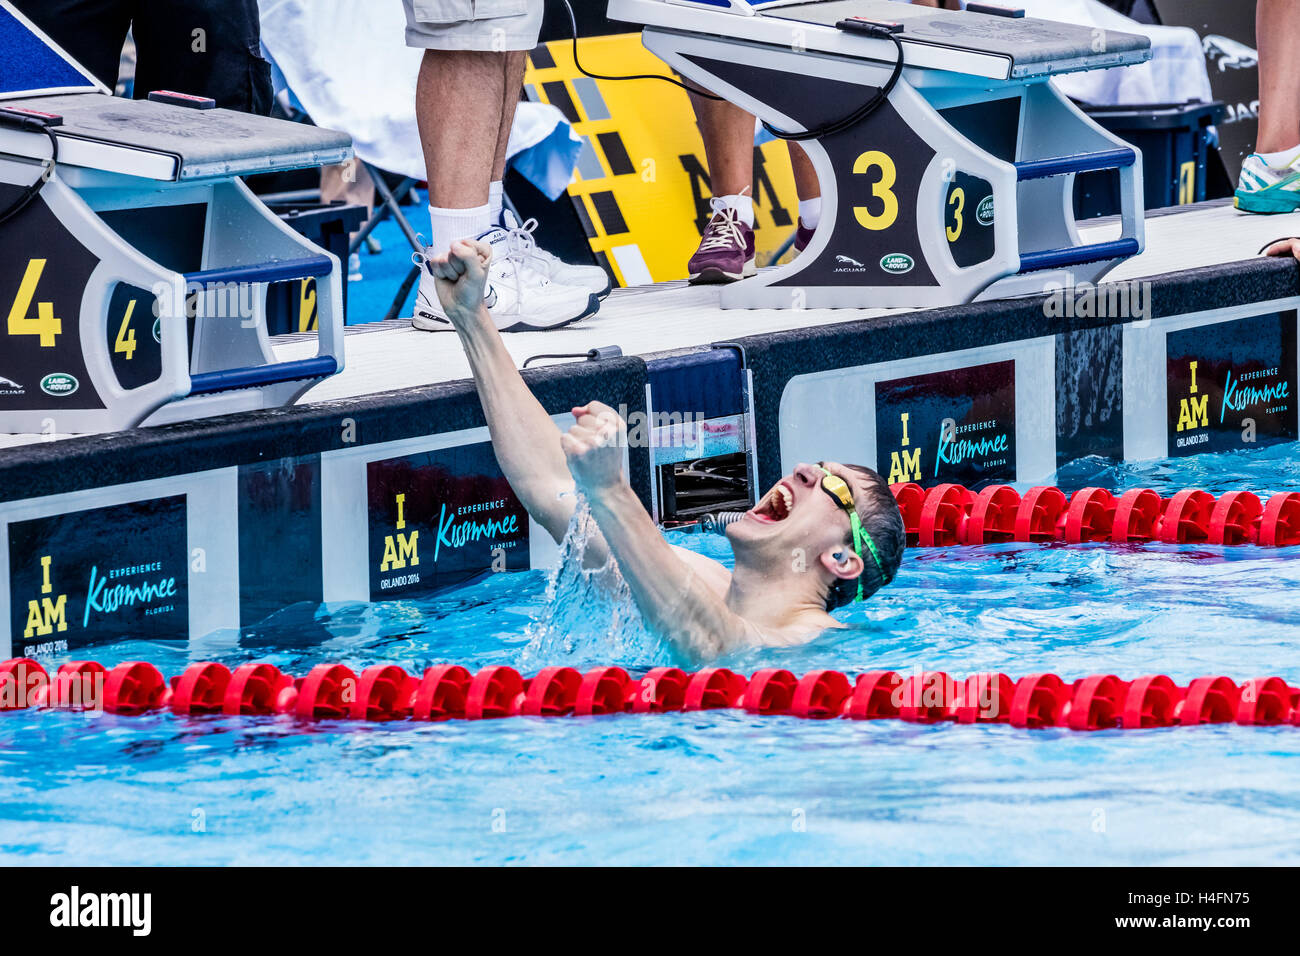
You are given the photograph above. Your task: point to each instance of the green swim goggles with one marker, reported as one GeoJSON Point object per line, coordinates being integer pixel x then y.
{"type": "Point", "coordinates": [838, 489]}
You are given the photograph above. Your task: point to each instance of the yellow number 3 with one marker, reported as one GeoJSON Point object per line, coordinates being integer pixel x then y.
{"type": "Point", "coordinates": [958, 199]}
{"type": "Point", "coordinates": [45, 324]}
{"type": "Point", "coordinates": [882, 190]}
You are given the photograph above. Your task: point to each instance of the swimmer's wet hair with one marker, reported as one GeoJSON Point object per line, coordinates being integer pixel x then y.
{"type": "Point", "coordinates": [880, 517]}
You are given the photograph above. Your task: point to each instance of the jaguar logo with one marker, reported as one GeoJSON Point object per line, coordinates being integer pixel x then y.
{"type": "Point", "coordinates": [1228, 54]}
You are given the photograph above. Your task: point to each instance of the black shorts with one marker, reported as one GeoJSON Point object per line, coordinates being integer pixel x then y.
{"type": "Point", "coordinates": [205, 47]}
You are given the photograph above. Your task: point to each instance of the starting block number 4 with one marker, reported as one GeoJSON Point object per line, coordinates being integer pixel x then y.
{"type": "Point", "coordinates": [46, 325]}
{"type": "Point", "coordinates": [125, 344]}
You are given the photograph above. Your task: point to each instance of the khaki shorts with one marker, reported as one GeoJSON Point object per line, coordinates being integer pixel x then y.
{"type": "Point", "coordinates": [487, 25]}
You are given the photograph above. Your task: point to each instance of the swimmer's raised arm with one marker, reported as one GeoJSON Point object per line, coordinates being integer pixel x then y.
{"type": "Point", "coordinates": [675, 602]}
{"type": "Point", "coordinates": [525, 440]}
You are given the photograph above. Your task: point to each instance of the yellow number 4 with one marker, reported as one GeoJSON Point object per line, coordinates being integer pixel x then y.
{"type": "Point", "coordinates": [126, 335]}
{"type": "Point", "coordinates": [45, 324]}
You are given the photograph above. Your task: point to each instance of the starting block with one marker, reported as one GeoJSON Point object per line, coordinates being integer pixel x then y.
{"type": "Point", "coordinates": [959, 186]}
{"type": "Point", "coordinates": [134, 262]}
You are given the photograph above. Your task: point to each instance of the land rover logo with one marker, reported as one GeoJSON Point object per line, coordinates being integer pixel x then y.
{"type": "Point", "coordinates": [157, 329]}
{"type": "Point", "coordinates": [59, 384]}
{"type": "Point", "coordinates": [984, 212]}
{"type": "Point", "coordinates": [897, 263]}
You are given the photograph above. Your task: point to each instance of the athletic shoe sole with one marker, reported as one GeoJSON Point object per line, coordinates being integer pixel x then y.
{"type": "Point", "coordinates": [427, 322]}
{"type": "Point", "coordinates": [593, 306]}
{"type": "Point", "coordinates": [715, 276]}
{"type": "Point", "coordinates": [1267, 203]}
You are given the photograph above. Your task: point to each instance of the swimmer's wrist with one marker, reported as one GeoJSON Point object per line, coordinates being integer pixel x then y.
{"type": "Point", "coordinates": [471, 321]}
{"type": "Point", "coordinates": [609, 496]}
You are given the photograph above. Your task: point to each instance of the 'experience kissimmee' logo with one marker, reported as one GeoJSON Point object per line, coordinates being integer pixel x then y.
{"type": "Point", "coordinates": [953, 426]}
{"type": "Point", "coordinates": [467, 524]}
{"type": "Point", "coordinates": [459, 526]}
{"type": "Point", "coordinates": [64, 594]}
{"type": "Point", "coordinates": [1259, 391]}
{"type": "Point", "coordinates": [146, 590]}
{"type": "Point", "coordinates": [959, 444]}
{"type": "Point", "coordinates": [440, 518]}
{"type": "Point", "coordinates": [146, 587]}
{"type": "Point", "coordinates": [1232, 385]}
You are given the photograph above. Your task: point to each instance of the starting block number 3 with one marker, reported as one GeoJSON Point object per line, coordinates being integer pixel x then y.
{"type": "Point", "coordinates": [882, 189]}
{"type": "Point", "coordinates": [45, 324]}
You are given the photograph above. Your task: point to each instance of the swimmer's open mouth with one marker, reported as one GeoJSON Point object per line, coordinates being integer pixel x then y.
{"type": "Point", "coordinates": [776, 504]}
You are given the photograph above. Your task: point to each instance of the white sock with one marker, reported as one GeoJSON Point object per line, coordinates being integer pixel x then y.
{"type": "Point", "coordinates": [496, 201]}
{"type": "Point", "coordinates": [744, 206]}
{"type": "Point", "coordinates": [448, 225]}
{"type": "Point", "coordinates": [1282, 159]}
{"type": "Point", "coordinates": [810, 211]}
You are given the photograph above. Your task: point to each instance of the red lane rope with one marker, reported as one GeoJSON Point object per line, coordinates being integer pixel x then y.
{"type": "Point", "coordinates": [386, 692]}
{"type": "Point", "coordinates": [947, 515]}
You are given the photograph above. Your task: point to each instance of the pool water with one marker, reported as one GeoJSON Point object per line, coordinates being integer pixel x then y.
{"type": "Point", "coordinates": [722, 786]}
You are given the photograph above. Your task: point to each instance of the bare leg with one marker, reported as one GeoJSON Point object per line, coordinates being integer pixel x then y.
{"type": "Point", "coordinates": [516, 61]}
{"type": "Point", "coordinates": [1277, 29]}
{"type": "Point", "coordinates": [728, 133]}
{"type": "Point", "coordinates": [806, 184]}
{"type": "Point", "coordinates": [459, 149]}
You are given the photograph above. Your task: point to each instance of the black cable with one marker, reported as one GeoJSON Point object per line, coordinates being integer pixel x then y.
{"type": "Point", "coordinates": [591, 355]}
{"type": "Point", "coordinates": [829, 129]}
{"type": "Point", "coordinates": [554, 355]}
{"type": "Point", "coordinates": [858, 115]}
{"type": "Point", "coordinates": [573, 25]}
{"type": "Point", "coordinates": [34, 190]}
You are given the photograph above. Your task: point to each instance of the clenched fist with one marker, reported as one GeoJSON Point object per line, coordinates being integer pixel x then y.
{"type": "Point", "coordinates": [594, 447]}
{"type": "Point", "coordinates": [461, 278]}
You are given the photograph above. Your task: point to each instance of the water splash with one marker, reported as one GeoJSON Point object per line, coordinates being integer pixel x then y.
{"type": "Point", "coordinates": [589, 616]}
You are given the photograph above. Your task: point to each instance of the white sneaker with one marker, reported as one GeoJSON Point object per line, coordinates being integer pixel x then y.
{"type": "Point", "coordinates": [518, 298]}
{"type": "Point", "coordinates": [592, 278]}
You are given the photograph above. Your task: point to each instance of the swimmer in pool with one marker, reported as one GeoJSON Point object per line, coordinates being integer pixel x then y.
{"type": "Point", "coordinates": [827, 535]}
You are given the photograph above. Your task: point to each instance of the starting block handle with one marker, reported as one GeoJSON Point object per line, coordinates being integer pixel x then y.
{"type": "Point", "coordinates": [205, 383]}
{"type": "Point", "coordinates": [1079, 163]}
{"type": "Point", "coordinates": [318, 267]}
{"type": "Point", "coordinates": [1078, 255]}
{"type": "Point", "coordinates": [310, 267]}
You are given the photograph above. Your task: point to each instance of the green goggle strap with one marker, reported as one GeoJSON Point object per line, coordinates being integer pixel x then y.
{"type": "Point", "coordinates": [861, 537]}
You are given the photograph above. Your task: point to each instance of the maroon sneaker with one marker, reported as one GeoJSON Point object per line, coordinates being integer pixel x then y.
{"type": "Point", "coordinates": [726, 252]}
{"type": "Point", "coordinates": [802, 236]}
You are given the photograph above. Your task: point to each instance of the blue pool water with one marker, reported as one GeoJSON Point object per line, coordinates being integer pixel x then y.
{"type": "Point", "coordinates": [720, 787]}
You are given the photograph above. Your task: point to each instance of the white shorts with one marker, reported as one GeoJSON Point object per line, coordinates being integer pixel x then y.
{"type": "Point", "coordinates": [487, 25]}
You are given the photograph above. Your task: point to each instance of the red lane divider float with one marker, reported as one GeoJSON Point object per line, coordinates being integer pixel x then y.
{"type": "Point", "coordinates": [386, 692]}
{"type": "Point", "coordinates": [948, 515]}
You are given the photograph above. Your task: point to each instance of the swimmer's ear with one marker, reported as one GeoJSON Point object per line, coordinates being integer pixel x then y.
{"type": "Point", "coordinates": [842, 562]}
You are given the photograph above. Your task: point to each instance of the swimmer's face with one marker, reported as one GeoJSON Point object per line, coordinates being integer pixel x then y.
{"type": "Point", "coordinates": [796, 514]}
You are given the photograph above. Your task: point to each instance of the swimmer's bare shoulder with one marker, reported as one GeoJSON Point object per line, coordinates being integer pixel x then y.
{"type": "Point", "coordinates": [717, 578]}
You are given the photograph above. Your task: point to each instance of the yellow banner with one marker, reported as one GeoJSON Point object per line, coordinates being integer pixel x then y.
{"type": "Point", "coordinates": [642, 185]}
